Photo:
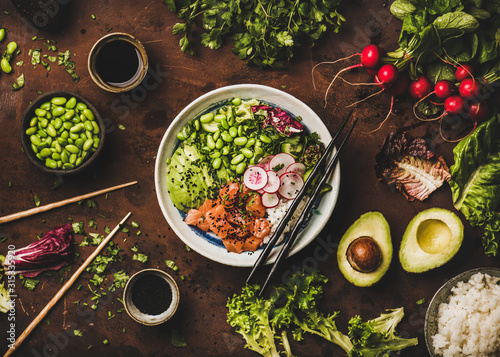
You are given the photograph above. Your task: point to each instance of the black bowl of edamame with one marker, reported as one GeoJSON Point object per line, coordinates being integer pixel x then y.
{"type": "Point", "coordinates": [62, 132]}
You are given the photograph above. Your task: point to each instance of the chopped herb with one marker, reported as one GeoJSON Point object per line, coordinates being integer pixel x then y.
{"type": "Point", "coordinates": [92, 16]}
{"type": "Point", "coordinates": [78, 333]}
{"type": "Point", "coordinates": [58, 182]}
{"type": "Point", "coordinates": [110, 29]}
{"type": "Point", "coordinates": [125, 230]}
{"type": "Point", "coordinates": [140, 257]}
{"type": "Point", "coordinates": [177, 339]}
{"type": "Point", "coordinates": [47, 321]}
{"type": "Point", "coordinates": [79, 287]}
{"type": "Point", "coordinates": [107, 230]}
{"type": "Point", "coordinates": [134, 249]}
{"type": "Point", "coordinates": [90, 347]}
{"type": "Point", "coordinates": [135, 224]}
{"type": "Point", "coordinates": [124, 330]}
{"type": "Point", "coordinates": [77, 227]}
{"type": "Point", "coordinates": [37, 201]}
{"type": "Point", "coordinates": [171, 264]}
{"type": "Point", "coordinates": [120, 280]}
{"type": "Point", "coordinates": [10, 184]}
{"type": "Point", "coordinates": [19, 63]}
{"type": "Point", "coordinates": [138, 233]}
{"type": "Point", "coordinates": [91, 204]}
{"type": "Point", "coordinates": [121, 127]}
{"type": "Point", "coordinates": [420, 301]}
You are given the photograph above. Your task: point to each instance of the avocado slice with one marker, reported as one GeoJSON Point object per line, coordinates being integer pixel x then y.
{"type": "Point", "coordinates": [368, 240]}
{"type": "Point", "coordinates": [431, 239]}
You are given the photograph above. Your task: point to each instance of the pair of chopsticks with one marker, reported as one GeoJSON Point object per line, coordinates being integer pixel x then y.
{"type": "Point", "coordinates": [305, 213]}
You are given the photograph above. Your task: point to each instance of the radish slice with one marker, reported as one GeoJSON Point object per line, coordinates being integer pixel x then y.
{"type": "Point", "coordinates": [290, 186]}
{"type": "Point", "coordinates": [297, 168]}
{"type": "Point", "coordinates": [280, 163]}
{"type": "Point", "coordinates": [270, 200]}
{"type": "Point", "coordinates": [264, 163]}
{"type": "Point", "coordinates": [255, 178]}
{"type": "Point", "coordinates": [273, 182]}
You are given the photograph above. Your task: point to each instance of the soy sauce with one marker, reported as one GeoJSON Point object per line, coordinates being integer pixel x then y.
{"type": "Point", "coordinates": [151, 294]}
{"type": "Point", "coordinates": [117, 61]}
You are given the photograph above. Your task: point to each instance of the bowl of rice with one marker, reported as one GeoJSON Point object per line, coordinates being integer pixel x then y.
{"type": "Point", "coordinates": [463, 317]}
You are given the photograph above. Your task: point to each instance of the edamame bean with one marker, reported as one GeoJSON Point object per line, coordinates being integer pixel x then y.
{"type": "Point", "coordinates": [237, 159]}
{"type": "Point", "coordinates": [6, 67]}
{"type": "Point", "coordinates": [2, 34]}
{"type": "Point", "coordinates": [197, 125]}
{"type": "Point", "coordinates": [219, 144]}
{"type": "Point", "coordinates": [58, 123]}
{"type": "Point", "coordinates": [69, 114]}
{"type": "Point", "coordinates": [224, 124]}
{"type": "Point", "coordinates": [76, 129]}
{"type": "Point", "coordinates": [247, 152]}
{"type": "Point", "coordinates": [96, 143]}
{"type": "Point", "coordinates": [217, 163]}
{"type": "Point", "coordinates": [34, 121]}
{"type": "Point", "coordinates": [45, 153]}
{"type": "Point", "coordinates": [236, 101]}
{"type": "Point", "coordinates": [74, 136]}
{"type": "Point", "coordinates": [56, 156]}
{"type": "Point", "coordinates": [79, 143]}
{"type": "Point", "coordinates": [67, 125]}
{"type": "Point", "coordinates": [250, 142]}
{"type": "Point", "coordinates": [11, 48]}
{"type": "Point", "coordinates": [40, 112]}
{"type": "Point", "coordinates": [88, 125]}
{"type": "Point", "coordinates": [88, 113]}
{"type": "Point", "coordinates": [219, 117]}
{"type": "Point", "coordinates": [34, 148]}
{"type": "Point", "coordinates": [233, 132]}
{"type": "Point", "coordinates": [88, 144]}
{"type": "Point", "coordinates": [58, 100]}
{"type": "Point", "coordinates": [96, 128]}
{"type": "Point", "coordinates": [217, 135]}
{"type": "Point", "coordinates": [210, 142]}
{"type": "Point", "coordinates": [58, 111]}
{"type": "Point", "coordinates": [57, 146]}
{"type": "Point", "coordinates": [42, 133]}
{"type": "Point", "coordinates": [68, 166]}
{"type": "Point", "coordinates": [225, 150]}
{"type": "Point", "coordinates": [181, 136]}
{"type": "Point", "coordinates": [45, 106]}
{"type": "Point", "coordinates": [207, 118]}
{"type": "Point", "coordinates": [72, 149]}
{"type": "Point", "coordinates": [78, 161]}
{"type": "Point", "coordinates": [35, 140]}
{"type": "Point", "coordinates": [240, 168]}
{"type": "Point", "coordinates": [265, 139]}
{"type": "Point", "coordinates": [30, 131]}
{"type": "Point", "coordinates": [52, 164]}
{"type": "Point", "coordinates": [258, 150]}
{"type": "Point", "coordinates": [226, 137]}
{"type": "Point", "coordinates": [240, 141]}
{"type": "Point", "coordinates": [72, 158]}
{"type": "Point", "coordinates": [51, 130]}
{"type": "Point", "coordinates": [215, 154]}
{"type": "Point", "coordinates": [230, 118]}
{"type": "Point", "coordinates": [71, 103]}
{"type": "Point", "coordinates": [64, 157]}
{"type": "Point", "coordinates": [81, 106]}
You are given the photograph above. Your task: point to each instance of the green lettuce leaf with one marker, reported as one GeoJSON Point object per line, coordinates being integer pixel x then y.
{"type": "Point", "coordinates": [475, 181]}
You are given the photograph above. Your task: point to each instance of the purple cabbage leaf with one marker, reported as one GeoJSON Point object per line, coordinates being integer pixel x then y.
{"type": "Point", "coordinates": [408, 165]}
{"type": "Point", "coordinates": [279, 119]}
{"type": "Point", "coordinates": [51, 252]}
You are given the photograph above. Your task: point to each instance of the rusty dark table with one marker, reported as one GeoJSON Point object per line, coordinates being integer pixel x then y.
{"type": "Point", "coordinates": [176, 79]}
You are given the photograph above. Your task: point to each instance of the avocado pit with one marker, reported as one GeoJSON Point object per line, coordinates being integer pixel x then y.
{"type": "Point", "coordinates": [364, 254]}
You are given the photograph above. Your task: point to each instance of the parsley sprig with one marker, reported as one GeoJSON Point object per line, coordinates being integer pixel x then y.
{"type": "Point", "coordinates": [265, 33]}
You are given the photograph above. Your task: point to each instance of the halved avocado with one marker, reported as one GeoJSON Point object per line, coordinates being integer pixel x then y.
{"type": "Point", "coordinates": [431, 239]}
{"type": "Point", "coordinates": [365, 250]}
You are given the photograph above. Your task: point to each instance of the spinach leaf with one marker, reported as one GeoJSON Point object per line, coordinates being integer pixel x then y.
{"type": "Point", "coordinates": [487, 50]}
{"type": "Point", "coordinates": [475, 181]}
{"type": "Point", "coordinates": [438, 70]}
{"type": "Point", "coordinates": [457, 22]}
{"type": "Point", "coordinates": [401, 8]}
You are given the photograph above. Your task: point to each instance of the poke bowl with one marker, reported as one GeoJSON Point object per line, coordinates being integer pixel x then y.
{"type": "Point", "coordinates": [197, 126]}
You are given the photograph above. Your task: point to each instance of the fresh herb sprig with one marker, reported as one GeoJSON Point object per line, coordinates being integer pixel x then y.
{"type": "Point", "coordinates": [265, 33]}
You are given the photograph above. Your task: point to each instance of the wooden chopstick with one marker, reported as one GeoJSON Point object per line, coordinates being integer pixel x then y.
{"type": "Point", "coordinates": [281, 226]}
{"type": "Point", "coordinates": [303, 216]}
{"type": "Point", "coordinates": [32, 211]}
{"type": "Point", "coordinates": [63, 290]}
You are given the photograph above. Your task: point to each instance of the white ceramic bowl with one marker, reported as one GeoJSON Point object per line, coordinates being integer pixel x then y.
{"type": "Point", "coordinates": [207, 244]}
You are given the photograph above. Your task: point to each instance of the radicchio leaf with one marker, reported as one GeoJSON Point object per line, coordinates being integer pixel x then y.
{"type": "Point", "coordinates": [51, 252]}
{"type": "Point", "coordinates": [280, 120]}
{"type": "Point", "coordinates": [410, 166]}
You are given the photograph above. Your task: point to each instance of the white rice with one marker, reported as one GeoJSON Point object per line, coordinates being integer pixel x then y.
{"type": "Point", "coordinates": [276, 214]}
{"type": "Point", "coordinates": [469, 323]}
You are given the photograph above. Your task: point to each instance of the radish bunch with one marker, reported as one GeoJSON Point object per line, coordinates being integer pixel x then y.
{"type": "Point", "coordinates": [463, 100]}
{"type": "Point", "coordinates": [276, 176]}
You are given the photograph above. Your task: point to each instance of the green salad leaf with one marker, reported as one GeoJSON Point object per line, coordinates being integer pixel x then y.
{"type": "Point", "coordinates": [475, 181]}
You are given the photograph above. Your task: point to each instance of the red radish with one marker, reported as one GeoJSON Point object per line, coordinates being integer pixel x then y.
{"type": "Point", "coordinates": [420, 87]}
{"type": "Point", "coordinates": [270, 200]}
{"type": "Point", "coordinates": [291, 184]}
{"type": "Point", "coordinates": [280, 162]}
{"type": "Point", "coordinates": [387, 74]}
{"type": "Point", "coordinates": [298, 168]}
{"type": "Point", "coordinates": [400, 86]}
{"type": "Point", "coordinates": [444, 89]}
{"type": "Point", "coordinates": [273, 182]}
{"type": "Point", "coordinates": [255, 178]}
{"type": "Point", "coordinates": [264, 163]}
{"type": "Point", "coordinates": [454, 105]}
{"type": "Point", "coordinates": [479, 112]}
{"type": "Point", "coordinates": [469, 88]}
{"type": "Point", "coordinates": [371, 56]}
{"type": "Point", "coordinates": [464, 71]}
